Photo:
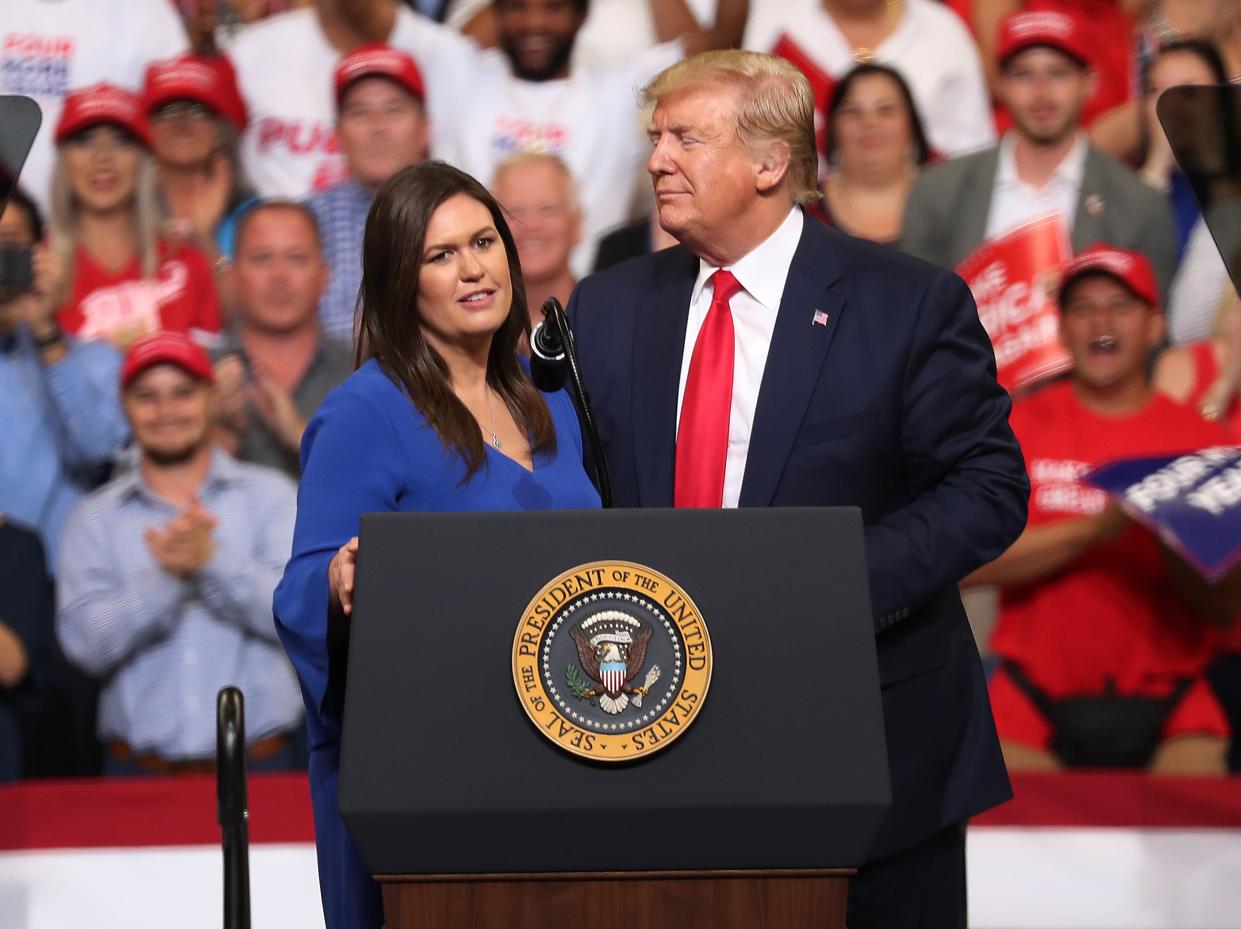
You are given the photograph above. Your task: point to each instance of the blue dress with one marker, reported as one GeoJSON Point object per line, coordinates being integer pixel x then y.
{"type": "Point", "coordinates": [367, 450]}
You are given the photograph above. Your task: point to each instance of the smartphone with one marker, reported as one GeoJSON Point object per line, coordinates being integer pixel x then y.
{"type": "Point", "coordinates": [16, 269]}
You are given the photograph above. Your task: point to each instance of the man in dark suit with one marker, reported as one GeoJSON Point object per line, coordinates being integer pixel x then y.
{"type": "Point", "coordinates": [770, 361]}
{"type": "Point", "coordinates": [1044, 164]}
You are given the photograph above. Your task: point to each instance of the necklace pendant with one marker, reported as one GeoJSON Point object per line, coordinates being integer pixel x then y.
{"type": "Point", "coordinates": [495, 440]}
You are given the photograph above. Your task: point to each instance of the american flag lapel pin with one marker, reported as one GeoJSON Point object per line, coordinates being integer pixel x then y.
{"type": "Point", "coordinates": [819, 318]}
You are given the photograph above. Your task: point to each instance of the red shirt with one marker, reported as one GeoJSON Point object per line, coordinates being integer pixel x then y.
{"type": "Point", "coordinates": [1113, 613]}
{"type": "Point", "coordinates": [121, 306]}
{"type": "Point", "coordinates": [1206, 373]}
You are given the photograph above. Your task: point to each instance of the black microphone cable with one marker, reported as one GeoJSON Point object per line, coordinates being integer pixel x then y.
{"type": "Point", "coordinates": [553, 359]}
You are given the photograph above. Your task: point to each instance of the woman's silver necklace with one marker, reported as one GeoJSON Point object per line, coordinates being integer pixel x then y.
{"type": "Point", "coordinates": [495, 440]}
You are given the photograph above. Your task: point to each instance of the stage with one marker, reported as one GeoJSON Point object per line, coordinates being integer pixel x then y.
{"type": "Point", "coordinates": [1080, 851]}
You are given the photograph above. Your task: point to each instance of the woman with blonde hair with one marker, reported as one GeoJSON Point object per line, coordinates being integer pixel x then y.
{"type": "Point", "coordinates": [124, 278]}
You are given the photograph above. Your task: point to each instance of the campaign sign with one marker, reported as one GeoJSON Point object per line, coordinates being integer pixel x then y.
{"type": "Point", "coordinates": [822, 85]}
{"type": "Point", "coordinates": [1192, 502]}
{"type": "Point", "coordinates": [1012, 279]}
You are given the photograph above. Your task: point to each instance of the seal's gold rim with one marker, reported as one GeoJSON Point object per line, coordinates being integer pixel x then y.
{"type": "Point", "coordinates": [701, 678]}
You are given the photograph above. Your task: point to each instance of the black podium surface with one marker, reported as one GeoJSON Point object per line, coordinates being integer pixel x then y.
{"type": "Point", "coordinates": [784, 767]}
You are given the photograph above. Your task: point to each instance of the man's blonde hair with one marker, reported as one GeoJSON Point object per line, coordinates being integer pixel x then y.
{"type": "Point", "coordinates": [777, 104]}
{"type": "Point", "coordinates": [522, 159]}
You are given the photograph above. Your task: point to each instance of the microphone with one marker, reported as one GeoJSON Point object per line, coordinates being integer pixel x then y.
{"type": "Point", "coordinates": [553, 361]}
{"type": "Point", "coordinates": [548, 363]}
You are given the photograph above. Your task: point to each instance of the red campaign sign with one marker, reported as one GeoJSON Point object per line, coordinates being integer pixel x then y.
{"type": "Point", "coordinates": [1012, 279]}
{"type": "Point", "coordinates": [821, 83]}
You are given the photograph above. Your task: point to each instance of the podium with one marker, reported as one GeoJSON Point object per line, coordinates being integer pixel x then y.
{"type": "Point", "coordinates": [472, 811]}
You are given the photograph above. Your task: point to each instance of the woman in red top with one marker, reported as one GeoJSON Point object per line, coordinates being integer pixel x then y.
{"type": "Point", "coordinates": [1207, 374]}
{"type": "Point", "coordinates": [126, 280]}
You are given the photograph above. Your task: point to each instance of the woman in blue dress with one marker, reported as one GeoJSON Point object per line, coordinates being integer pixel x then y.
{"type": "Point", "coordinates": [441, 414]}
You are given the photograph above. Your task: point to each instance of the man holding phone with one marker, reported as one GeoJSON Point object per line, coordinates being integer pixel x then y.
{"type": "Point", "coordinates": [58, 396]}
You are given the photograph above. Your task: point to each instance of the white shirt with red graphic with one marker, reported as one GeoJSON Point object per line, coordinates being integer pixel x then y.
{"type": "Point", "coordinates": [120, 306]}
{"type": "Point", "coordinates": [930, 47]}
{"type": "Point", "coordinates": [479, 113]}
{"type": "Point", "coordinates": [284, 71]}
{"type": "Point", "coordinates": [49, 48]}
{"type": "Point", "coordinates": [615, 31]}
{"type": "Point", "coordinates": [591, 120]}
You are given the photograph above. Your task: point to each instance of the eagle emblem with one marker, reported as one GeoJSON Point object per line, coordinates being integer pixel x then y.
{"type": "Point", "coordinates": [611, 648]}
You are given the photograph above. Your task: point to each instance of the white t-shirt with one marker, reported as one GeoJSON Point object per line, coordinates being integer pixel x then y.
{"type": "Point", "coordinates": [590, 119]}
{"type": "Point", "coordinates": [284, 70]}
{"type": "Point", "coordinates": [614, 32]}
{"type": "Point", "coordinates": [931, 48]}
{"type": "Point", "coordinates": [49, 47]}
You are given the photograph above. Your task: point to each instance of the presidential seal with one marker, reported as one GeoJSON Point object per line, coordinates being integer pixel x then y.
{"type": "Point", "coordinates": [612, 661]}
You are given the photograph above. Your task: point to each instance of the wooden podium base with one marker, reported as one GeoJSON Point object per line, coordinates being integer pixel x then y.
{"type": "Point", "coordinates": [618, 900]}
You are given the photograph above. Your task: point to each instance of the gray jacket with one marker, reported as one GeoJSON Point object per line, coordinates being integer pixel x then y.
{"type": "Point", "coordinates": [946, 217]}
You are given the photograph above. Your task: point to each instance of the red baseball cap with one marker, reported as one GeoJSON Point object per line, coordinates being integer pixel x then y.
{"type": "Point", "coordinates": [103, 105]}
{"type": "Point", "coordinates": [171, 348]}
{"type": "Point", "coordinates": [1131, 269]}
{"type": "Point", "coordinates": [209, 81]}
{"type": "Point", "coordinates": [1049, 28]}
{"type": "Point", "coordinates": [375, 59]}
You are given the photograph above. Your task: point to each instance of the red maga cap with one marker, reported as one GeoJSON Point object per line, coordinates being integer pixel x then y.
{"type": "Point", "coordinates": [209, 81]}
{"type": "Point", "coordinates": [103, 105]}
{"type": "Point", "coordinates": [171, 348]}
{"type": "Point", "coordinates": [1131, 269]}
{"type": "Point", "coordinates": [1049, 28]}
{"type": "Point", "coordinates": [375, 59]}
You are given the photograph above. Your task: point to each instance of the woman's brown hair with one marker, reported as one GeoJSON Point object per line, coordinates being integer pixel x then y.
{"type": "Point", "coordinates": [390, 330]}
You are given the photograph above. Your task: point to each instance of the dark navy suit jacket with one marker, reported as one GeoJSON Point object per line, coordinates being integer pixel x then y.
{"type": "Point", "coordinates": [892, 406]}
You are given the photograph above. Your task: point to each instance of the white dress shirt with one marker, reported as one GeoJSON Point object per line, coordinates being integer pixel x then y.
{"type": "Point", "coordinates": [1015, 203]}
{"type": "Point", "coordinates": [761, 274]}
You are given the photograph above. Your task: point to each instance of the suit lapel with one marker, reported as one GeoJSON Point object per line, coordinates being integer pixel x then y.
{"type": "Point", "coordinates": [798, 347]}
{"type": "Point", "coordinates": [1087, 224]}
{"type": "Point", "coordinates": [975, 206]}
{"type": "Point", "coordinates": [659, 342]}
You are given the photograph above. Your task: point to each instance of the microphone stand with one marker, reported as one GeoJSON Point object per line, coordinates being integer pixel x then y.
{"type": "Point", "coordinates": [231, 806]}
{"type": "Point", "coordinates": [552, 351]}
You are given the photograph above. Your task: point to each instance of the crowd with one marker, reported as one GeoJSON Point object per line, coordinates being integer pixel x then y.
{"type": "Point", "coordinates": [193, 210]}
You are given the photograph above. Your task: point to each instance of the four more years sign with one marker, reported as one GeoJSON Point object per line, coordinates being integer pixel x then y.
{"type": "Point", "coordinates": [612, 661]}
{"type": "Point", "coordinates": [1192, 502]}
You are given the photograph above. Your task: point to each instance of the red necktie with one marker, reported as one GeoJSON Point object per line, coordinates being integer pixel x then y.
{"type": "Point", "coordinates": [702, 441]}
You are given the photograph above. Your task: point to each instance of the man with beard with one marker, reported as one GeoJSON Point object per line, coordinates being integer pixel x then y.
{"type": "Point", "coordinates": [526, 97]}
{"type": "Point", "coordinates": [169, 570]}
{"type": "Point", "coordinates": [1045, 165]}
